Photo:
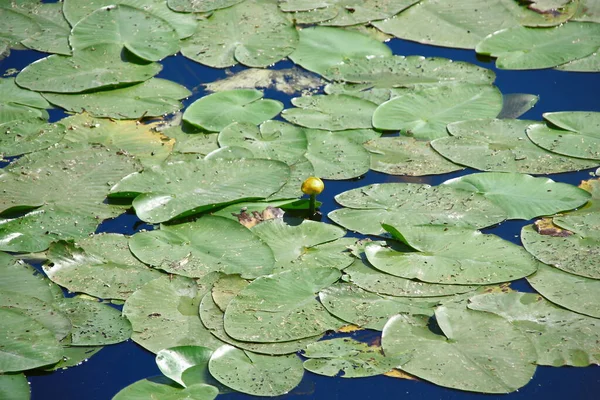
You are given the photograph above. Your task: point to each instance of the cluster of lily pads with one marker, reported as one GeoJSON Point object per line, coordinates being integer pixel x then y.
{"type": "Point", "coordinates": [227, 289]}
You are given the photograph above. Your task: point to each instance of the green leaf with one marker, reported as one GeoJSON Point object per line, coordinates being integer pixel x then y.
{"type": "Point", "coordinates": [100, 265]}
{"type": "Point", "coordinates": [424, 113]}
{"type": "Point", "coordinates": [14, 387]}
{"type": "Point", "coordinates": [177, 189]}
{"type": "Point", "coordinates": [16, 26]}
{"type": "Point", "coordinates": [590, 63]}
{"type": "Point", "coordinates": [412, 204]}
{"type": "Point", "coordinates": [28, 135]}
{"type": "Point", "coordinates": [264, 38]}
{"type": "Point", "coordinates": [475, 351]}
{"type": "Point", "coordinates": [16, 112]}
{"type": "Point", "coordinates": [560, 337]}
{"type": "Point", "coordinates": [536, 48]}
{"type": "Point", "coordinates": [208, 244]}
{"type": "Point", "coordinates": [501, 145]}
{"type": "Point", "coordinates": [282, 307]}
{"type": "Point", "coordinates": [164, 314]}
{"type": "Point", "coordinates": [522, 196]}
{"type": "Point", "coordinates": [255, 374]}
{"type": "Point", "coordinates": [173, 361]}
{"type": "Point", "coordinates": [10, 93]}
{"type": "Point", "coordinates": [195, 6]}
{"type": "Point", "coordinates": [516, 104]}
{"type": "Point", "coordinates": [54, 28]}
{"type": "Point", "coordinates": [19, 277]}
{"type": "Point", "coordinates": [321, 48]}
{"type": "Point", "coordinates": [89, 68]}
{"type": "Point", "coordinates": [215, 111]}
{"type": "Point", "coordinates": [73, 356]}
{"type": "Point", "coordinates": [163, 388]}
{"type": "Point", "coordinates": [577, 135]}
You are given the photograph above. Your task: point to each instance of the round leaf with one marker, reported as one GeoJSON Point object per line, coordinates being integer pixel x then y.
{"type": "Point", "coordinates": [195, 6]}
{"type": "Point", "coordinates": [163, 388]}
{"type": "Point", "coordinates": [28, 135]}
{"type": "Point", "coordinates": [14, 387]}
{"type": "Point", "coordinates": [173, 361]}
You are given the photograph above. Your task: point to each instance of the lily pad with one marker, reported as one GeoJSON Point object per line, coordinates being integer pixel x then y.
{"type": "Point", "coordinates": [573, 292]}
{"type": "Point", "coordinates": [54, 28]}
{"type": "Point", "coordinates": [161, 387]}
{"type": "Point", "coordinates": [273, 140]}
{"type": "Point", "coordinates": [215, 111]}
{"type": "Point", "coordinates": [475, 351]}
{"type": "Point", "coordinates": [255, 374]}
{"type": "Point", "coordinates": [536, 48]}
{"type": "Point", "coordinates": [451, 255]}
{"type": "Point", "coordinates": [208, 244]}
{"type": "Point", "coordinates": [152, 98]}
{"type": "Point", "coordinates": [28, 135]}
{"type": "Point", "coordinates": [225, 289]}
{"type": "Point", "coordinates": [264, 38]}
{"type": "Point", "coordinates": [407, 156]}
{"type": "Point", "coordinates": [501, 145]}
{"type": "Point", "coordinates": [336, 112]}
{"type": "Point", "coordinates": [590, 63]}
{"type": "Point", "coordinates": [578, 135]}
{"type": "Point", "coordinates": [10, 93]}
{"type": "Point", "coordinates": [178, 189]}
{"type": "Point", "coordinates": [522, 196]}
{"type": "Point", "coordinates": [424, 113]}
{"type": "Point", "coordinates": [192, 142]}
{"type": "Point", "coordinates": [351, 358]}
{"type": "Point", "coordinates": [164, 314]}
{"type": "Point", "coordinates": [19, 277]}
{"type": "Point", "coordinates": [560, 337]}
{"type": "Point", "coordinates": [516, 104]}
{"type": "Point", "coordinates": [412, 204]}
{"type": "Point", "coordinates": [100, 265]}
{"type": "Point", "coordinates": [321, 48]}
{"type": "Point", "coordinates": [282, 307]}
{"type": "Point", "coordinates": [173, 361]}
{"type": "Point", "coordinates": [196, 6]}
{"type": "Point", "coordinates": [90, 68]}
{"type": "Point", "coordinates": [14, 387]}
{"type": "Point", "coordinates": [16, 26]}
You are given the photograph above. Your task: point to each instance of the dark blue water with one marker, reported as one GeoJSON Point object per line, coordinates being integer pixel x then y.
{"type": "Point", "coordinates": [120, 365]}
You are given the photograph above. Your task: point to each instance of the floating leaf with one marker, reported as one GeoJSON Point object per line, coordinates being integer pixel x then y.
{"type": "Point", "coordinates": [14, 387]}
{"type": "Point", "coordinates": [336, 112]}
{"type": "Point", "coordinates": [173, 361]}
{"type": "Point", "coordinates": [195, 6]}
{"type": "Point", "coordinates": [10, 93]}
{"type": "Point", "coordinates": [516, 104]}
{"type": "Point", "coordinates": [100, 265]}
{"type": "Point", "coordinates": [536, 48]}
{"type": "Point", "coordinates": [73, 356]}
{"type": "Point", "coordinates": [28, 135]}
{"type": "Point", "coordinates": [163, 388]}
{"type": "Point", "coordinates": [208, 244]}
{"type": "Point", "coordinates": [560, 337]}
{"type": "Point", "coordinates": [321, 48]}
{"type": "Point", "coordinates": [282, 307]}
{"type": "Point", "coordinates": [18, 277]}
{"type": "Point", "coordinates": [407, 156]}
{"type": "Point", "coordinates": [522, 196]}
{"type": "Point", "coordinates": [164, 313]}
{"type": "Point", "coordinates": [501, 145]}
{"type": "Point", "coordinates": [192, 142]}
{"type": "Point", "coordinates": [590, 63]}
{"type": "Point", "coordinates": [424, 113]}
{"type": "Point", "coordinates": [177, 189]}
{"type": "Point", "coordinates": [16, 26]}
{"type": "Point", "coordinates": [578, 136]}
{"type": "Point", "coordinates": [54, 28]}
{"type": "Point", "coordinates": [225, 289]}
{"type": "Point", "coordinates": [412, 204]}
{"type": "Point", "coordinates": [452, 255]}
{"type": "Point", "coordinates": [255, 374]}
{"type": "Point", "coordinates": [89, 68]}
{"type": "Point", "coordinates": [475, 351]}
{"type": "Point", "coordinates": [264, 38]}
{"type": "Point", "coordinates": [215, 111]}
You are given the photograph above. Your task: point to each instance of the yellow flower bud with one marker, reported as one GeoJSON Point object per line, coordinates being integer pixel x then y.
{"type": "Point", "coordinates": [312, 186]}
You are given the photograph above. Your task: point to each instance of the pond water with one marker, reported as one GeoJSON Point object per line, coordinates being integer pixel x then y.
{"type": "Point", "coordinates": [120, 365]}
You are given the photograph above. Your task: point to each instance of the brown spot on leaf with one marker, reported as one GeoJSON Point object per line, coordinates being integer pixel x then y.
{"type": "Point", "coordinates": [545, 226]}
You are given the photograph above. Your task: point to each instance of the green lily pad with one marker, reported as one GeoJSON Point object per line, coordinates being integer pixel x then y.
{"type": "Point", "coordinates": [100, 265]}
{"type": "Point", "coordinates": [451, 255]}
{"type": "Point", "coordinates": [192, 142]}
{"type": "Point", "coordinates": [255, 374]}
{"type": "Point", "coordinates": [590, 63]}
{"type": "Point", "coordinates": [282, 307]}
{"type": "Point", "coordinates": [351, 358]}
{"type": "Point", "coordinates": [16, 25]}
{"type": "Point", "coordinates": [164, 388]}
{"type": "Point", "coordinates": [94, 323]}
{"type": "Point", "coordinates": [164, 314]}
{"type": "Point", "coordinates": [578, 135]}
{"type": "Point", "coordinates": [19, 331]}
{"type": "Point", "coordinates": [501, 145]}
{"type": "Point", "coordinates": [178, 189]}
{"type": "Point", "coordinates": [407, 156]}
{"type": "Point", "coordinates": [293, 188]}
{"type": "Point", "coordinates": [522, 196]}
{"type": "Point", "coordinates": [184, 24]}
{"type": "Point", "coordinates": [19, 277]}
{"type": "Point", "coordinates": [16, 112]}
{"type": "Point", "coordinates": [152, 98]}
{"type": "Point", "coordinates": [560, 337]}
{"type": "Point", "coordinates": [363, 90]}
{"type": "Point", "coordinates": [536, 48]}
{"type": "Point", "coordinates": [573, 292]}
{"type": "Point", "coordinates": [400, 71]}
{"type": "Point", "coordinates": [14, 387]}
{"type": "Point", "coordinates": [321, 48]}
{"type": "Point", "coordinates": [215, 111]}
{"type": "Point", "coordinates": [264, 38]}
{"type": "Point", "coordinates": [516, 104]}
{"type": "Point", "coordinates": [475, 351]}
{"type": "Point", "coordinates": [310, 244]}
{"type": "Point", "coordinates": [424, 113]}
{"type": "Point", "coordinates": [173, 361]}
{"type": "Point", "coordinates": [273, 140]}
{"type": "Point", "coordinates": [366, 309]}
{"type": "Point", "coordinates": [28, 135]}
{"type": "Point", "coordinates": [73, 356]}
{"type": "Point", "coordinates": [412, 204]}
{"type": "Point", "coordinates": [225, 289]}
{"type": "Point", "coordinates": [54, 28]}
{"type": "Point", "coordinates": [208, 244]}
{"type": "Point", "coordinates": [150, 38]}
{"type": "Point", "coordinates": [90, 68]}
{"type": "Point", "coordinates": [336, 112]}
{"type": "Point", "coordinates": [195, 6]}
{"type": "Point", "coordinates": [10, 93]}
